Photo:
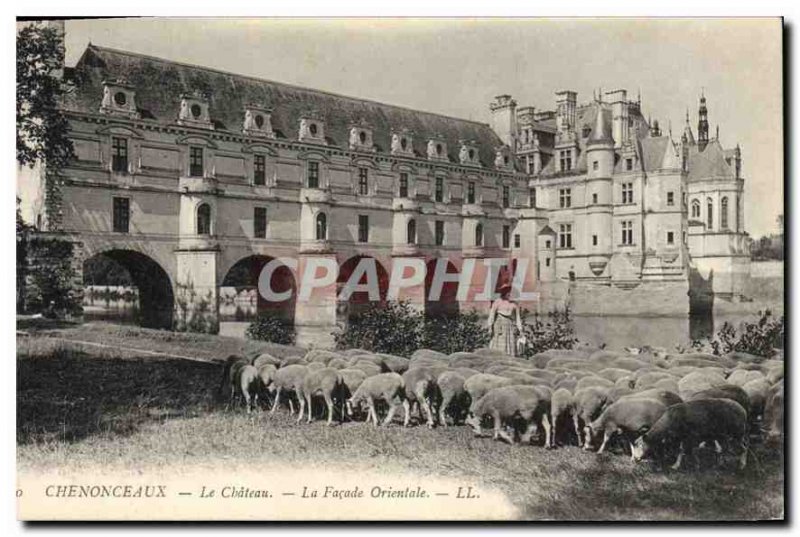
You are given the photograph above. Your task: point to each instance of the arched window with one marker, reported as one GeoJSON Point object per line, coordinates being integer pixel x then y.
{"type": "Point", "coordinates": [479, 235]}
{"type": "Point", "coordinates": [723, 213]}
{"type": "Point", "coordinates": [411, 232]}
{"type": "Point", "coordinates": [204, 219]}
{"type": "Point", "coordinates": [710, 215]}
{"type": "Point", "coordinates": [695, 209]}
{"type": "Point", "coordinates": [322, 227]}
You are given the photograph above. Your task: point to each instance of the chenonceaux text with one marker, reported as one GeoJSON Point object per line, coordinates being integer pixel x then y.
{"type": "Point", "coordinates": [106, 491]}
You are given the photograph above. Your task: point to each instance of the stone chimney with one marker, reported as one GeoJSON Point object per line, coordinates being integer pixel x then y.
{"type": "Point", "coordinates": [566, 103]}
{"type": "Point", "coordinates": [619, 113]}
{"type": "Point", "coordinates": [504, 120]}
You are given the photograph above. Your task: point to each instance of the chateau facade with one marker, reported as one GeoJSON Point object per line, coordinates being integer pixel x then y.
{"type": "Point", "coordinates": [194, 179]}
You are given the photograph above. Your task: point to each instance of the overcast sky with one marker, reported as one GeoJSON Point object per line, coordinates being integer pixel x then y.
{"type": "Point", "coordinates": [456, 67]}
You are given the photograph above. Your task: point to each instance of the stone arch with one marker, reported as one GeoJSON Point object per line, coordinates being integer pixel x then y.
{"type": "Point", "coordinates": [156, 297]}
{"type": "Point", "coordinates": [360, 301]}
{"type": "Point", "coordinates": [448, 300]}
{"type": "Point", "coordinates": [242, 299]}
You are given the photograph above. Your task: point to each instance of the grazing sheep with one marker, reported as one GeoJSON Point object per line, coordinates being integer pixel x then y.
{"type": "Point", "coordinates": [522, 378]}
{"type": "Point", "coordinates": [479, 385]}
{"type": "Point", "coordinates": [321, 356]}
{"type": "Point", "coordinates": [690, 423]}
{"type": "Point", "coordinates": [454, 396]}
{"type": "Point", "coordinates": [349, 353]}
{"type": "Point", "coordinates": [288, 378]}
{"type": "Point", "coordinates": [614, 374]}
{"type": "Point", "coordinates": [618, 392]}
{"type": "Point", "coordinates": [230, 370]}
{"type": "Point", "coordinates": [395, 364]}
{"type": "Point", "coordinates": [631, 364]}
{"type": "Point", "coordinates": [665, 397]}
{"type": "Point", "coordinates": [589, 402]}
{"type": "Point", "coordinates": [700, 359]}
{"type": "Point", "coordinates": [740, 377]}
{"type": "Point", "coordinates": [266, 358]}
{"type": "Point", "coordinates": [630, 416]}
{"type": "Point", "coordinates": [387, 387]}
{"type": "Point", "coordinates": [757, 391]}
{"type": "Point", "coordinates": [681, 371]}
{"type": "Point", "coordinates": [667, 384]}
{"type": "Point", "coordinates": [605, 357]}
{"type": "Point", "coordinates": [247, 382]}
{"type": "Point", "coordinates": [649, 379]}
{"type": "Point", "coordinates": [325, 382]}
{"type": "Point", "coordinates": [587, 382]}
{"type": "Point", "coordinates": [562, 407]}
{"type": "Point", "coordinates": [339, 363]}
{"type": "Point", "coordinates": [530, 404]}
{"type": "Point", "coordinates": [625, 382]}
{"type": "Point", "coordinates": [698, 381]}
{"type": "Point", "coordinates": [466, 372]}
{"type": "Point", "coordinates": [568, 383]}
{"type": "Point", "coordinates": [773, 417]}
{"type": "Point", "coordinates": [775, 374]}
{"type": "Point", "coordinates": [723, 391]}
{"type": "Point", "coordinates": [427, 353]}
{"type": "Point", "coordinates": [266, 372]}
{"type": "Point", "coordinates": [744, 357]}
{"type": "Point", "coordinates": [421, 389]}
{"type": "Point", "coordinates": [315, 366]}
{"type": "Point", "coordinates": [292, 360]}
{"type": "Point", "coordinates": [368, 368]}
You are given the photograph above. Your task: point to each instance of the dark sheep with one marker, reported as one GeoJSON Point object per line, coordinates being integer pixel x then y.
{"type": "Point", "coordinates": [690, 423]}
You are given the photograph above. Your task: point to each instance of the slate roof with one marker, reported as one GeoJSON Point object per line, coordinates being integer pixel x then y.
{"type": "Point", "coordinates": [710, 162]}
{"type": "Point", "coordinates": [159, 84]}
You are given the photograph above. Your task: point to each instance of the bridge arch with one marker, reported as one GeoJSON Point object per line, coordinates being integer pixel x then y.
{"type": "Point", "coordinates": [359, 301]}
{"type": "Point", "coordinates": [240, 296]}
{"type": "Point", "coordinates": [155, 289]}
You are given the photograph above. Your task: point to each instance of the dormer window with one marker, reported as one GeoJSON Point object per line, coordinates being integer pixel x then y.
{"type": "Point", "coordinates": [194, 111]}
{"type": "Point", "coordinates": [502, 160]}
{"type": "Point", "coordinates": [437, 150]}
{"type": "Point", "coordinates": [401, 143]}
{"type": "Point", "coordinates": [468, 155]}
{"type": "Point", "coordinates": [312, 130]}
{"type": "Point", "coordinates": [119, 99]}
{"type": "Point", "coordinates": [361, 138]}
{"type": "Point", "coordinates": [257, 121]}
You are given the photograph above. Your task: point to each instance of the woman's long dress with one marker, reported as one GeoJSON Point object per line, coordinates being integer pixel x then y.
{"type": "Point", "coordinates": [504, 335]}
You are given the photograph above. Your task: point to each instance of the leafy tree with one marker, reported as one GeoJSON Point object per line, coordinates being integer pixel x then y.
{"type": "Point", "coordinates": [552, 332]}
{"type": "Point", "coordinates": [41, 128]}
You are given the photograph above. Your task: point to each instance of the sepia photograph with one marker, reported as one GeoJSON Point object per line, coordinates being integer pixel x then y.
{"type": "Point", "coordinates": [400, 269]}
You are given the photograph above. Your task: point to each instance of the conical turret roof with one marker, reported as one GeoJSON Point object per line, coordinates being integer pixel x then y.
{"type": "Point", "coordinates": [601, 133]}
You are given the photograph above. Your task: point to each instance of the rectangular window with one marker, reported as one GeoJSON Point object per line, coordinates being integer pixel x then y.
{"type": "Point", "coordinates": [517, 240]}
{"type": "Point", "coordinates": [670, 237]}
{"type": "Point", "coordinates": [670, 198]}
{"type": "Point", "coordinates": [565, 159]}
{"type": "Point", "coordinates": [532, 197]}
{"type": "Point", "coordinates": [594, 240]}
{"type": "Point", "coordinates": [363, 181]}
{"type": "Point", "coordinates": [627, 232]}
{"type": "Point", "coordinates": [547, 244]}
{"type": "Point", "coordinates": [260, 222]}
{"type": "Point", "coordinates": [506, 197]}
{"type": "Point", "coordinates": [506, 236]}
{"type": "Point", "coordinates": [547, 261]}
{"type": "Point", "coordinates": [259, 170]}
{"type": "Point", "coordinates": [627, 192]}
{"type": "Point", "coordinates": [595, 165]}
{"type": "Point", "coordinates": [565, 197]}
{"type": "Point", "coordinates": [565, 236]}
{"type": "Point", "coordinates": [196, 161]}
{"type": "Point", "coordinates": [471, 192]}
{"type": "Point", "coordinates": [313, 174]}
{"type": "Point", "coordinates": [403, 185]}
{"type": "Point", "coordinates": [439, 232]}
{"type": "Point", "coordinates": [628, 164]}
{"type": "Point", "coordinates": [119, 154]}
{"type": "Point", "coordinates": [594, 198]}
{"type": "Point", "coordinates": [122, 214]}
{"type": "Point", "coordinates": [363, 228]}
{"type": "Point", "coordinates": [439, 193]}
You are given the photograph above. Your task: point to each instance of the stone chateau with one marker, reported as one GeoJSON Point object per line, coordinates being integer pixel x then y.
{"type": "Point", "coordinates": [194, 179]}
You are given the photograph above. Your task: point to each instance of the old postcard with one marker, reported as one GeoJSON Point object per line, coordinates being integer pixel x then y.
{"type": "Point", "coordinates": [400, 269]}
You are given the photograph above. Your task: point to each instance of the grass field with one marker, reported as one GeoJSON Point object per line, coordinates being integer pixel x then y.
{"type": "Point", "coordinates": [84, 406]}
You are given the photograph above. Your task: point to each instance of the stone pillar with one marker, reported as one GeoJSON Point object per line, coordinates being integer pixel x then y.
{"type": "Point", "coordinates": [196, 293]}
{"type": "Point", "coordinates": [526, 258]}
{"type": "Point", "coordinates": [315, 317]}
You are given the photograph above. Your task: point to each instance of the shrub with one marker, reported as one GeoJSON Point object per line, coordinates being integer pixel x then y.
{"type": "Point", "coordinates": [462, 332]}
{"type": "Point", "coordinates": [760, 338]}
{"type": "Point", "coordinates": [268, 327]}
{"type": "Point", "coordinates": [51, 280]}
{"type": "Point", "coordinates": [387, 327]}
{"type": "Point", "coordinates": [552, 332]}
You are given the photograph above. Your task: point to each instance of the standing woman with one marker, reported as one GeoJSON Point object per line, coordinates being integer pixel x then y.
{"type": "Point", "coordinates": [505, 322]}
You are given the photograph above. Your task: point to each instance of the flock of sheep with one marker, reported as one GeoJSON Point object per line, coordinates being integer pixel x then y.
{"type": "Point", "coordinates": [658, 403]}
